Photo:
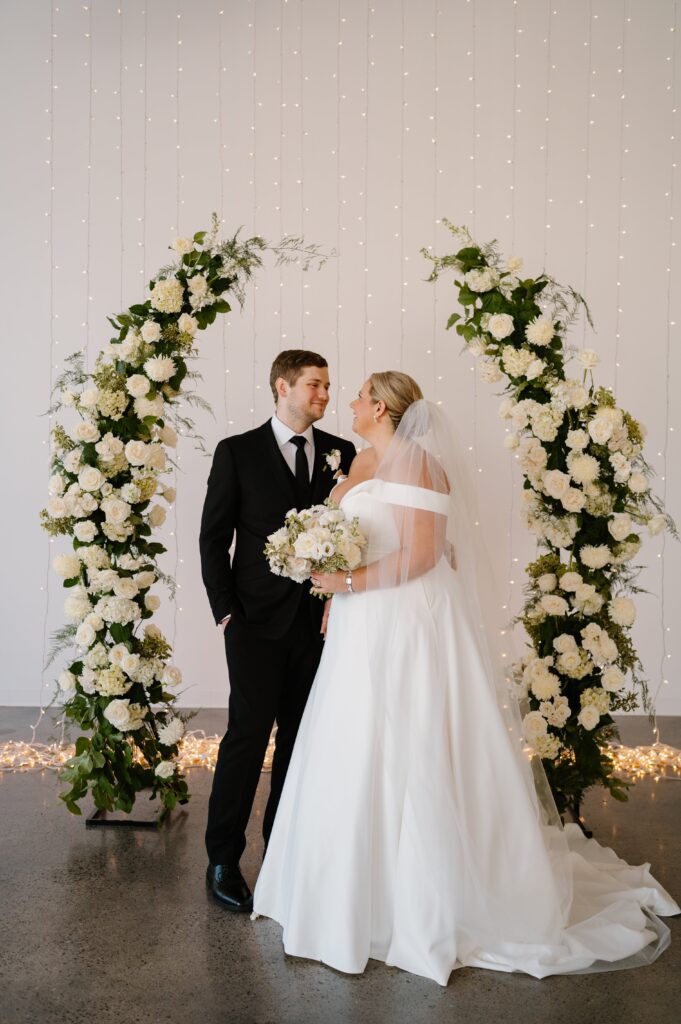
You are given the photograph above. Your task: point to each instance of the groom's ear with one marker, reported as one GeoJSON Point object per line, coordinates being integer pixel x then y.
{"type": "Point", "coordinates": [281, 387]}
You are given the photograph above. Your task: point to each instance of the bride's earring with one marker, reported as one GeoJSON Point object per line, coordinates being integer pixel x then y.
{"type": "Point", "coordinates": [375, 418]}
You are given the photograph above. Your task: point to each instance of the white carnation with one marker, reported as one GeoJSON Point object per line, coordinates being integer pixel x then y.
{"type": "Point", "coordinates": [584, 469]}
{"type": "Point", "coordinates": [489, 371]}
{"type": "Point", "coordinates": [553, 604]}
{"type": "Point", "coordinates": [547, 582]}
{"type": "Point", "coordinates": [569, 581]}
{"type": "Point", "coordinates": [595, 556]}
{"type": "Point", "coordinates": [171, 733]}
{"type": "Point", "coordinates": [622, 611]}
{"type": "Point", "coordinates": [540, 331]}
{"type": "Point", "coordinates": [160, 368]}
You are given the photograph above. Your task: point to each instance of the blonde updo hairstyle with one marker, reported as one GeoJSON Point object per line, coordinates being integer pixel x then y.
{"type": "Point", "coordinates": [396, 390]}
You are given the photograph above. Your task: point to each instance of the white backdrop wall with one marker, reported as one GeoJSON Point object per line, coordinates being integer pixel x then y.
{"type": "Point", "coordinates": [359, 123]}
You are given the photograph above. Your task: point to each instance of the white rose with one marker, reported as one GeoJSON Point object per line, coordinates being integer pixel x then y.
{"type": "Point", "coordinates": [573, 500]}
{"type": "Point", "coordinates": [169, 493]}
{"type": "Point", "coordinates": [198, 285]}
{"type": "Point", "coordinates": [612, 679]}
{"type": "Point", "coordinates": [564, 643]}
{"type": "Point", "coordinates": [638, 483]}
{"type": "Point", "coordinates": [90, 478]}
{"type": "Point", "coordinates": [584, 469]}
{"type": "Point", "coordinates": [569, 661]}
{"type": "Point", "coordinates": [152, 602]}
{"type": "Point", "coordinates": [171, 733]}
{"type": "Point", "coordinates": [168, 436]}
{"type": "Point", "coordinates": [556, 483]}
{"type": "Point", "coordinates": [85, 635]}
{"type": "Point", "coordinates": [595, 557]}
{"type": "Point", "coordinates": [514, 264]}
{"type": "Point", "coordinates": [477, 347]}
{"type": "Point", "coordinates": [137, 385]}
{"type": "Point", "coordinates": [85, 531]}
{"type": "Point", "coordinates": [535, 369]}
{"type": "Point", "coordinates": [153, 632]}
{"type": "Point", "coordinates": [506, 408]}
{"type": "Point", "coordinates": [500, 325]}
{"type": "Point", "coordinates": [553, 604]}
{"type": "Point", "coordinates": [481, 279]}
{"type": "Point", "coordinates": [125, 587]}
{"type": "Point", "coordinates": [600, 428]}
{"type": "Point", "coordinates": [137, 453]}
{"type": "Point", "coordinates": [85, 432]}
{"type": "Point", "coordinates": [489, 372]}
{"type": "Point", "coordinates": [146, 579]}
{"type": "Point", "coordinates": [115, 510]}
{"type": "Point", "coordinates": [588, 358]}
{"type": "Point", "coordinates": [540, 331]}
{"type": "Point", "coordinates": [89, 398]}
{"type": "Point", "coordinates": [67, 683]}
{"type": "Point", "coordinates": [117, 712]}
{"type": "Point", "coordinates": [656, 524]}
{"type": "Point", "coordinates": [534, 726]}
{"type": "Point", "coordinates": [151, 332]}
{"type": "Point", "coordinates": [164, 769]}
{"type": "Point", "coordinates": [157, 457]}
{"type": "Point", "coordinates": [619, 526]}
{"type": "Point", "coordinates": [67, 566]}
{"type": "Point", "coordinates": [622, 611]}
{"type": "Point", "coordinates": [57, 484]}
{"type": "Point", "coordinates": [182, 246]}
{"type": "Point", "coordinates": [160, 368]}
{"type": "Point", "coordinates": [157, 515]}
{"type": "Point", "coordinates": [187, 325]}
{"type": "Point", "coordinates": [589, 717]}
{"type": "Point", "coordinates": [117, 654]}
{"type": "Point", "coordinates": [172, 676]}
{"type": "Point", "coordinates": [72, 460]}
{"type": "Point", "coordinates": [511, 441]}
{"type": "Point", "coordinates": [547, 582]}
{"type": "Point", "coordinates": [149, 407]}
{"type": "Point", "coordinates": [569, 581]}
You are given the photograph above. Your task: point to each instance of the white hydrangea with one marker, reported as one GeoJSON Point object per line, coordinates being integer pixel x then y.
{"type": "Point", "coordinates": [489, 371]}
{"type": "Point", "coordinates": [111, 682]}
{"type": "Point", "coordinates": [167, 296]}
{"type": "Point", "coordinates": [66, 565]}
{"type": "Point", "coordinates": [545, 424]}
{"type": "Point", "coordinates": [118, 609]}
{"type": "Point", "coordinates": [516, 360]}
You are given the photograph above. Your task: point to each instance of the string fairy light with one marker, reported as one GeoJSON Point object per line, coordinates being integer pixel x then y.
{"type": "Point", "coordinates": [49, 242]}
{"type": "Point", "coordinates": [88, 216]}
{"type": "Point", "coordinates": [339, 202]}
{"type": "Point", "coordinates": [671, 245]}
{"type": "Point", "coordinates": [222, 171]}
{"type": "Point", "coordinates": [587, 164]}
{"type": "Point", "coordinates": [621, 205]}
{"type": "Point", "coordinates": [436, 196]}
{"type": "Point", "coordinates": [365, 211]}
{"type": "Point", "coordinates": [550, 67]}
{"type": "Point", "coordinates": [197, 750]}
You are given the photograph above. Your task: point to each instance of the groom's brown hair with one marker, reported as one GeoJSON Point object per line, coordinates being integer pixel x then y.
{"type": "Point", "coordinates": [290, 364]}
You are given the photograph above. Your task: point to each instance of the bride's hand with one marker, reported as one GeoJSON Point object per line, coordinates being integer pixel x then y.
{"type": "Point", "coordinates": [325, 617]}
{"type": "Point", "coordinates": [327, 582]}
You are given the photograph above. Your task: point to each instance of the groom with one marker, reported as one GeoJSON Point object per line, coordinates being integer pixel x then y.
{"type": "Point", "coordinates": [271, 624]}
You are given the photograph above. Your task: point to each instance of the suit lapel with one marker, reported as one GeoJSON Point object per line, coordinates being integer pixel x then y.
{"type": "Point", "coordinates": [320, 484]}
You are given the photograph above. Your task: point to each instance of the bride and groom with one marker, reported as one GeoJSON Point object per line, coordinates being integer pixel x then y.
{"type": "Point", "coordinates": [411, 827]}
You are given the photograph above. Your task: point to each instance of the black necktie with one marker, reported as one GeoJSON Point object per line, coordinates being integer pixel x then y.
{"type": "Point", "coordinates": [302, 467]}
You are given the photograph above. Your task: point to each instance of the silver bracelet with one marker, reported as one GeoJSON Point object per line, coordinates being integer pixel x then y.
{"type": "Point", "coordinates": [348, 581]}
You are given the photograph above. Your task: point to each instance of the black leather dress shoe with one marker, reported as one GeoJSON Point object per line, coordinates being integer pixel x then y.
{"type": "Point", "coordinates": [227, 885]}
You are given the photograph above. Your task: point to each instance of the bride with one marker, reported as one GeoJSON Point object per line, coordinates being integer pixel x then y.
{"type": "Point", "coordinates": [413, 828]}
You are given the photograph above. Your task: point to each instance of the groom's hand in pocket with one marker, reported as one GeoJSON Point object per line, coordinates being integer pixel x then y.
{"type": "Point", "coordinates": [325, 617]}
{"type": "Point", "coordinates": [223, 623]}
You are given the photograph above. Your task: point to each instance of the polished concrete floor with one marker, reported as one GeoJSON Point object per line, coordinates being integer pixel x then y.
{"type": "Point", "coordinates": [113, 925]}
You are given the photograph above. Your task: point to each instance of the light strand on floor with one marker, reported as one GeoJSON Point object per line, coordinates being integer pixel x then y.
{"type": "Point", "coordinates": [197, 750]}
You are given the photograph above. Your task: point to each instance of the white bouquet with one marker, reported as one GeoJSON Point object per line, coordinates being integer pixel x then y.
{"type": "Point", "coordinates": [316, 539]}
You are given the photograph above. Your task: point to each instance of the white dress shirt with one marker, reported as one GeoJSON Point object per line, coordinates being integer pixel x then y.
{"type": "Point", "coordinates": [283, 434]}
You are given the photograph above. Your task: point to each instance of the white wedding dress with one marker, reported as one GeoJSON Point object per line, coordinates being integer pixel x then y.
{"type": "Point", "coordinates": [407, 830]}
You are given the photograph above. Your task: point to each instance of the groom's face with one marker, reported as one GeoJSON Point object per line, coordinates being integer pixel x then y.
{"type": "Point", "coordinates": [308, 398]}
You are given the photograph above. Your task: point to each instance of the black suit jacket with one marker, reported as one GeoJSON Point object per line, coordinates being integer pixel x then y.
{"type": "Point", "coordinates": [250, 490]}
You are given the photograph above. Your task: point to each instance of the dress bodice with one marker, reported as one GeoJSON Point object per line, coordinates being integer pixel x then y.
{"type": "Point", "coordinates": [374, 501]}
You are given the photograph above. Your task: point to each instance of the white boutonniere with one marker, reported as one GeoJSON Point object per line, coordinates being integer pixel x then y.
{"type": "Point", "coordinates": [333, 459]}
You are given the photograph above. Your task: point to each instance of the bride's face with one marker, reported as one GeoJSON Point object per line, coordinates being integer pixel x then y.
{"type": "Point", "coordinates": [364, 409]}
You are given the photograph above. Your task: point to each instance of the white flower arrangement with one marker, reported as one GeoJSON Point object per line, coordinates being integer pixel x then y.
{"type": "Point", "coordinates": [587, 497]}
{"type": "Point", "coordinates": [316, 539]}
